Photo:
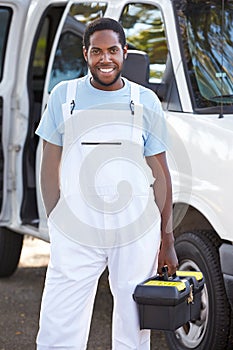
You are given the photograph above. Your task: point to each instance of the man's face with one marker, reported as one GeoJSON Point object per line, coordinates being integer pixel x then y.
{"type": "Point", "coordinates": [105, 57]}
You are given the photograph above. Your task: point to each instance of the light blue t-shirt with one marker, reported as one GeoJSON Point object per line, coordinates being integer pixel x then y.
{"type": "Point", "coordinates": [51, 127]}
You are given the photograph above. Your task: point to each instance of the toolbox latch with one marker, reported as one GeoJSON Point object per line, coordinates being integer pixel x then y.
{"type": "Point", "coordinates": [190, 297]}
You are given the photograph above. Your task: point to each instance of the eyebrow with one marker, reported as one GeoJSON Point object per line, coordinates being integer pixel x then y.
{"type": "Point", "coordinates": [109, 48]}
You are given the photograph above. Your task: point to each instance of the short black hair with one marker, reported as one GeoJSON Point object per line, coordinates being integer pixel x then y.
{"type": "Point", "coordinates": [104, 23]}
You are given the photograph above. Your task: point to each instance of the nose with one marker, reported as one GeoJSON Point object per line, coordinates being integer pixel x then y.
{"type": "Point", "coordinates": [105, 57]}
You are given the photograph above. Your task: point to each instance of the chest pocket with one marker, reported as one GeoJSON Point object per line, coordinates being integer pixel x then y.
{"type": "Point", "coordinates": [103, 148]}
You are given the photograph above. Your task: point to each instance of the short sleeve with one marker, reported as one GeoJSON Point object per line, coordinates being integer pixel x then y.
{"type": "Point", "coordinates": [155, 129]}
{"type": "Point", "coordinates": [51, 125]}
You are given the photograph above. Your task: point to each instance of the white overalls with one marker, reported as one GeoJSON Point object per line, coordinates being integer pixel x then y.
{"type": "Point", "coordinates": [106, 216]}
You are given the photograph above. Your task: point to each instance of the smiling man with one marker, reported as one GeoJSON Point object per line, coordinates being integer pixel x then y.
{"type": "Point", "coordinates": [97, 195]}
{"type": "Point", "coordinates": [105, 57]}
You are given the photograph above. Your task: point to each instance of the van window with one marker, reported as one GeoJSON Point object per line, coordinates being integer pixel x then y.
{"type": "Point", "coordinates": [69, 62]}
{"type": "Point", "coordinates": [145, 31]}
{"type": "Point", "coordinates": [88, 11]}
{"type": "Point", "coordinates": [5, 17]}
{"type": "Point", "coordinates": [207, 38]}
{"type": "Point", "coordinates": [39, 65]}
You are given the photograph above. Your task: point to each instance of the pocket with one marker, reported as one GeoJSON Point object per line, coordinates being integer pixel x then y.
{"type": "Point", "coordinates": [104, 143]}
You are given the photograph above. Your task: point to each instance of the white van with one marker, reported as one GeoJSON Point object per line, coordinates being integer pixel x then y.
{"type": "Point", "coordinates": [183, 51]}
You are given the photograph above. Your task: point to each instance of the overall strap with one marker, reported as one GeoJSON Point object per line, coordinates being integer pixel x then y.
{"type": "Point", "coordinates": [67, 110]}
{"type": "Point", "coordinates": [135, 93]}
{"type": "Point", "coordinates": [69, 105]}
{"type": "Point", "coordinates": [136, 110]}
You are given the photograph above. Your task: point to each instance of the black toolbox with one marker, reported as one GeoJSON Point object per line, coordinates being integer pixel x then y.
{"type": "Point", "coordinates": [168, 303]}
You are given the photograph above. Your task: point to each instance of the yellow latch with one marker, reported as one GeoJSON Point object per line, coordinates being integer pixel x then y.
{"type": "Point", "coordinates": [190, 298]}
{"type": "Point", "coordinates": [197, 274]}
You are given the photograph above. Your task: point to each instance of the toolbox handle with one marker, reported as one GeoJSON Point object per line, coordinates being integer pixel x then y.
{"type": "Point", "coordinates": [165, 273]}
{"type": "Point", "coordinates": [165, 276]}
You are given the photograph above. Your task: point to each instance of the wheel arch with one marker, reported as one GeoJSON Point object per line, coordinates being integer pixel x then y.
{"type": "Point", "coordinates": [186, 218]}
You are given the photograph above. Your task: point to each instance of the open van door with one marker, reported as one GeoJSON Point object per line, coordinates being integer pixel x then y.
{"type": "Point", "coordinates": [12, 19]}
{"type": "Point", "coordinates": [5, 91]}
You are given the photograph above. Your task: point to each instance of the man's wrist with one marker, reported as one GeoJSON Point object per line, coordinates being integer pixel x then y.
{"type": "Point", "coordinates": [167, 238]}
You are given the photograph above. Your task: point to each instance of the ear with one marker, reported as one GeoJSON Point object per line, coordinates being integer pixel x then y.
{"type": "Point", "coordinates": [125, 49]}
{"type": "Point", "coordinates": [85, 53]}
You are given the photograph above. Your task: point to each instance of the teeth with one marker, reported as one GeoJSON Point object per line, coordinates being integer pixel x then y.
{"type": "Point", "coordinates": [106, 70]}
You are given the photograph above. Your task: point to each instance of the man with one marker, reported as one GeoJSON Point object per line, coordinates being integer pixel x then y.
{"type": "Point", "coordinates": [96, 132]}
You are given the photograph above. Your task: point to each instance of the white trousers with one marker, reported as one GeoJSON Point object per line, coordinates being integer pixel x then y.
{"type": "Point", "coordinates": [71, 284]}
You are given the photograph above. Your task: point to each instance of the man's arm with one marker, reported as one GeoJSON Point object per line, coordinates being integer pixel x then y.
{"type": "Point", "coordinates": [163, 196]}
{"type": "Point", "coordinates": [50, 175]}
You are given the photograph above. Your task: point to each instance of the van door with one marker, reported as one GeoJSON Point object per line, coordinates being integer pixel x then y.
{"type": "Point", "coordinates": [11, 19]}
{"type": "Point", "coordinates": [35, 71]}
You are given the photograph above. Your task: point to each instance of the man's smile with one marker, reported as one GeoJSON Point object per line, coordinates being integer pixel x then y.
{"type": "Point", "coordinates": [106, 70]}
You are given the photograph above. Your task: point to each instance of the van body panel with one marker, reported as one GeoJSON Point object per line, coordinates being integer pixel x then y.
{"type": "Point", "coordinates": [204, 182]}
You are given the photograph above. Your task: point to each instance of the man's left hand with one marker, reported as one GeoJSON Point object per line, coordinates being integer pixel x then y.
{"type": "Point", "coordinates": [167, 256]}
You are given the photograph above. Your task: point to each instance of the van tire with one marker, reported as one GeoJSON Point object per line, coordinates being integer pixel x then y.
{"type": "Point", "coordinates": [10, 249]}
{"type": "Point", "coordinates": [199, 251]}
{"type": "Point", "coordinates": [230, 343]}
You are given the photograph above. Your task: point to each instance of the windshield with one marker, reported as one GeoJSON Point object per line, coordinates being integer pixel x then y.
{"type": "Point", "coordinates": [206, 29]}
{"type": "Point", "coordinates": [5, 15]}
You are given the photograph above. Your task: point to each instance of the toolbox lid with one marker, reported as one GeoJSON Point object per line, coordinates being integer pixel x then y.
{"type": "Point", "coordinates": [157, 292]}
